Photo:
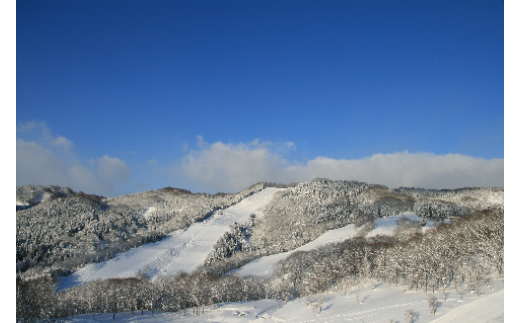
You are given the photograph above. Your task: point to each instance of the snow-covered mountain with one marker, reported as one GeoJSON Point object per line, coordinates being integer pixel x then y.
{"type": "Point", "coordinates": [292, 244]}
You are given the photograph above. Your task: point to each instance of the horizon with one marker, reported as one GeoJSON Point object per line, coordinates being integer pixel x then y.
{"type": "Point", "coordinates": [283, 184]}
{"type": "Point", "coordinates": [115, 98]}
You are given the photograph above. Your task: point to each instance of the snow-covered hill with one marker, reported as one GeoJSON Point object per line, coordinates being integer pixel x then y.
{"type": "Point", "coordinates": [183, 250]}
{"type": "Point", "coordinates": [327, 239]}
{"type": "Point", "coordinates": [59, 230]}
{"type": "Point", "coordinates": [31, 195]}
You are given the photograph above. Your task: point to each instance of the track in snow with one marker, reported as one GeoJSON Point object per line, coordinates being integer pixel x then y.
{"type": "Point", "coordinates": [180, 251]}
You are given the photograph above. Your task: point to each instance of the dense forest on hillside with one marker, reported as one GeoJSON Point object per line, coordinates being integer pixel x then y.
{"type": "Point", "coordinates": [59, 230]}
{"type": "Point", "coordinates": [465, 253]}
{"type": "Point", "coordinates": [303, 212]}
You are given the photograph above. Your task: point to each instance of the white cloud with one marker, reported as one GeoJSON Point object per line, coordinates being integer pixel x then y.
{"type": "Point", "coordinates": [62, 142]}
{"type": "Point", "coordinates": [201, 143]}
{"type": "Point", "coordinates": [114, 169]}
{"type": "Point", "coordinates": [232, 167]}
{"type": "Point", "coordinates": [50, 160]}
{"type": "Point", "coordinates": [85, 179]}
{"type": "Point", "coordinates": [408, 169]}
{"type": "Point", "coordinates": [38, 165]}
{"type": "Point", "coordinates": [41, 132]}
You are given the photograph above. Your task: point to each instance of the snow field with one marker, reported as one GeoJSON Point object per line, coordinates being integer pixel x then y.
{"type": "Point", "coordinates": [183, 250]}
{"type": "Point", "coordinates": [483, 310]}
{"type": "Point", "coordinates": [386, 303]}
{"type": "Point", "coordinates": [370, 306]}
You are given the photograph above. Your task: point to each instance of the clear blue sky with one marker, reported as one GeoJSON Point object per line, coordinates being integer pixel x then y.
{"type": "Point", "coordinates": [125, 96]}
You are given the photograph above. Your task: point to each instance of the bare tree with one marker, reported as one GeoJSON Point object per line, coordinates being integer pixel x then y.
{"type": "Point", "coordinates": [432, 303]}
{"type": "Point", "coordinates": [410, 316]}
{"type": "Point", "coordinates": [445, 294]}
{"type": "Point", "coordinates": [358, 296]}
{"type": "Point", "coordinates": [317, 306]}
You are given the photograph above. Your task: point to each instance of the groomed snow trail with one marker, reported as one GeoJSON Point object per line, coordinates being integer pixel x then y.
{"type": "Point", "coordinates": [180, 251]}
{"type": "Point", "coordinates": [263, 267]}
{"type": "Point", "coordinates": [487, 309]}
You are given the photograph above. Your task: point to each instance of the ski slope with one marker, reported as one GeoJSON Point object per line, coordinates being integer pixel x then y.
{"type": "Point", "coordinates": [183, 250]}
{"type": "Point", "coordinates": [486, 309]}
{"type": "Point", "coordinates": [383, 304]}
{"type": "Point", "coordinates": [263, 267]}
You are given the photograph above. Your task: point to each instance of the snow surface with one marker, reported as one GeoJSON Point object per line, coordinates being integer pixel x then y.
{"type": "Point", "coordinates": [182, 250]}
{"type": "Point", "coordinates": [263, 267]}
{"type": "Point", "coordinates": [379, 305]}
{"type": "Point", "coordinates": [387, 225]}
{"type": "Point", "coordinates": [486, 309]}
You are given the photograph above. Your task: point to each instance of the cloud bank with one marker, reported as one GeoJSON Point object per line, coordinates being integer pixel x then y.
{"type": "Point", "coordinates": [45, 159]}
{"type": "Point", "coordinates": [232, 167]}
{"type": "Point", "coordinates": [50, 160]}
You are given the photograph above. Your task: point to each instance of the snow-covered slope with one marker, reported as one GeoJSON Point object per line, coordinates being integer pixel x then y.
{"type": "Point", "coordinates": [30, 195]}
{"type": "Point", "coordinates": [185, 250]}
{"type": "Point", "coordinates": [383, 304]}
{"type": "Point", "coordinates": [263, 267]}
{"type": "Point", "coordinates": [386, 303]}
{"type": "Point", "coordinates": [181, 251]}
{"type": "Point", "coordinates": [387, 225]}
{"type": "Point", "coordinates": [487, 309]}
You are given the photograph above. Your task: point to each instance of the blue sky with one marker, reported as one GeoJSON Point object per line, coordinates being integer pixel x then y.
{"type": "Point", "coordinates": [117, 97]}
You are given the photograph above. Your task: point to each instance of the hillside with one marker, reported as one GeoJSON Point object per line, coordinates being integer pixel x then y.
{"type": "Point", "coordinates": [292, 244]}
{"type": "Point", "coordinates": [59, 230]}
{"type": "Point", "coordinates": [183, 250]}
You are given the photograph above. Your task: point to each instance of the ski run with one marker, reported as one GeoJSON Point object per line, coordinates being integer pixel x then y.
{"type": "Point", "coordinates": [183, 250]}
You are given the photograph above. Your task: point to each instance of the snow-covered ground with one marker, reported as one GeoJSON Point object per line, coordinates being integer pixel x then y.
{"type": "Point", "coordinates": [383, 304]}
{"type": "Point", "coordinates": [387, 225]}
{"type": "Point", "coordinates": [264, 266]}
{"type": "Point", "coordinates": [183, 250]}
